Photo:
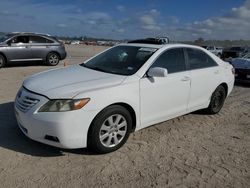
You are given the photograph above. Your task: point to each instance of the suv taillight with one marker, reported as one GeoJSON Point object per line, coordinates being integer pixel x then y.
{"type": "Point", "coordinates": [62, 44]}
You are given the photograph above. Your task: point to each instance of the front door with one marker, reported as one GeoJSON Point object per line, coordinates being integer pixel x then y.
{"type": "Point", "coordinates": [163, 98]}
{"type": "Point", "coordinates": [19, 49]}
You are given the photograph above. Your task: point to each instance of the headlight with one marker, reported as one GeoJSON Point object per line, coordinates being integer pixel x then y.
{"type": "Point", "coordinates": [63, 105]}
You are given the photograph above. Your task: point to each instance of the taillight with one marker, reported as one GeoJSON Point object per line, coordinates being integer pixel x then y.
{"type": "Point", "coordinates": [233, 71]}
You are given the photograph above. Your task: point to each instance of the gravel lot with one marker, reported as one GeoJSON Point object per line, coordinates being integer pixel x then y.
{"type": "Point", "coordinates": [194, 150]}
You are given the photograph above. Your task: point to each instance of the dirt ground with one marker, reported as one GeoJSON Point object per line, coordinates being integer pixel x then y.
{"type": "Point", "coordinates": [194, 150]}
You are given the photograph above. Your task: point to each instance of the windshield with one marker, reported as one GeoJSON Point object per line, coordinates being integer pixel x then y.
{"type": "Point", "coordinates": [247, 56]}
{"type": "Point", "coordinates": [122, 60]}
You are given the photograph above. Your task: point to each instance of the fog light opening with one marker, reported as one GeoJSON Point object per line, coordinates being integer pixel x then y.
{"type": "Point", "coordinates": [51, 138]}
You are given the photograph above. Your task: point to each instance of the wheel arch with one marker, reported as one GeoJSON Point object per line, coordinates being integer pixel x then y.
{"type": "Point", "coordinates": [5, 57]}
{"type": "Point", "coordinates": [131, 111]}
{"type": "Point", "coordinates": [127, 107]}
{"type": "Point", "coordinates": [53, 51]}
{"type": "Point", "coordinates": [225, 87]}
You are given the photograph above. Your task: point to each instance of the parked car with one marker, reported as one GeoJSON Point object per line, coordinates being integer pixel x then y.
{"type": "Point", "coordinates": [17, 47]}
{"type": "Point", "coordinates": [234, 52]}
{"type": "Point", "coordinates": [75, 42]}
{"type": "Point", "coordinates": [215, 50]}
{"type": "Point", "coordinates": [98, 103]}
{"type": "Point", "coordinates": [242, 68]}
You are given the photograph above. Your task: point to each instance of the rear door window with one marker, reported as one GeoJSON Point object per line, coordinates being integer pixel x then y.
{"type": "Point", "coordinates": [198, 59]}
{"type": "Point", "coordinates": [39, 39]}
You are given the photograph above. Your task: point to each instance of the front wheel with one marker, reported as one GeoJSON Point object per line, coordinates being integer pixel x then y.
{"type": "Point", "coordinates": [110, 129]}
{"type": "Point", "coordinates": [2, 61]}
{"type": "Point", "coordinates": [52, 59]}
{"type": "Point", "coordinates": [217, 100]}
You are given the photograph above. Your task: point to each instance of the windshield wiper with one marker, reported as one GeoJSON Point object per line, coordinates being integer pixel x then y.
{"type": "Point", "coordinates": [83, 65]}
{"type": "Point", "coordinates": [94, 68]}
{"type": "Point", "coordinates": [101, 70]}
{"type": "Point", "coordinates": [98, 69]}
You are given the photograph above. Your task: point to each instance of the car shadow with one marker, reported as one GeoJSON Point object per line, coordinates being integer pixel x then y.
{"type": "Point", "coordinates": [242, 84]}
{"type": "Point", "coordinates": [25, 64]}
{"type": "Point", "coordinates": [12, 138]}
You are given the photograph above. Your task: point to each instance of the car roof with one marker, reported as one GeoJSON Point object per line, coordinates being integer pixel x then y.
{"type": "Point", "coordinates": [33, 34]}
{"type": "Point", "coordinates": [170, 45]}
{"type": "Point", "coordinates": [29, 33]}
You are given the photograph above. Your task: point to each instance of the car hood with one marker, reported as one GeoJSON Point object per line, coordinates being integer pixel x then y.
{"type": "Point", "coordinates": [241, 63]}
{"type": "Point", "coordinates": [70, 81]}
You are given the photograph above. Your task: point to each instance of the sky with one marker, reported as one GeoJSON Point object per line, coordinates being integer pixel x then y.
{"type": "Point", "coordinates": [129, 19]}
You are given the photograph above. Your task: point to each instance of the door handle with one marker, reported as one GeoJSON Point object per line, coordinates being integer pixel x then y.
{"type": "Point", "coordinates": [185, 78]}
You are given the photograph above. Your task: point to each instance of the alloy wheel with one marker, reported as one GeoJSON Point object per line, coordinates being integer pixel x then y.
{"type": "Point", "coordinates": [53, 59]}
{"type": "Point", "coordinates": [113, 130]}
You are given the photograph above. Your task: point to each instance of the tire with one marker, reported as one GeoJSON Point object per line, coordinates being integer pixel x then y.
{"type": "Point", "coordinates": [217, 100]}
{"type": "Point", "coordinates": [109, 130]}
{"type": "Point", "coordinates": [2, 61]}
{"type": "Point", "coordinates": [52, 59]}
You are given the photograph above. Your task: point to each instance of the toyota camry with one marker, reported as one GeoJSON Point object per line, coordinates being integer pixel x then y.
{"type": "Point", "coordinates": [98, 103]}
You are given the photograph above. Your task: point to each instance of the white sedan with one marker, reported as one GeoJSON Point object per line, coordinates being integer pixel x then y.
{"type": "Point", "coordinates": [98, 103]}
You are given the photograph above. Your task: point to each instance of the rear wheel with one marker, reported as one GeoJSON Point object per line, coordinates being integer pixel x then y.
{"type": "Point", "coordinates": [52, 59]}
{"type": "Point", "coordinates": [2, 61]}
{"type": "Point", "coordinates": [109, 130]}
{"type": "Point", "coordinates": [217, 100]}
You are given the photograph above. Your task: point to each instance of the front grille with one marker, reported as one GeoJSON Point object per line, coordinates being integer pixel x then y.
{"type": "Point", "coordinates": [25, 102]}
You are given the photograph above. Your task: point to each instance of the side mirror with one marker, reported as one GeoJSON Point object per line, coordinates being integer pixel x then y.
{"type": "Point", "coordinates": [157, 72]}
{"type": "Point", "coordinates": [9, 43]}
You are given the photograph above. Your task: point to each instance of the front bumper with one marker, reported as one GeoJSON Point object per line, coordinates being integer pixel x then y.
{"type": "Point", "coordinates": [60, 129]}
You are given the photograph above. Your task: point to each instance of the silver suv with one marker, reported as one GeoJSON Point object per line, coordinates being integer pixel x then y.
{"type": "Point", "coordinates": [19, 47]}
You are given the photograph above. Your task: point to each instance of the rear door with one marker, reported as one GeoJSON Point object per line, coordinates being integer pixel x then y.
{"type": "Point", "coordinates": [205, 77]}
{"type": "Point", "coordinates": [40, 47]}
